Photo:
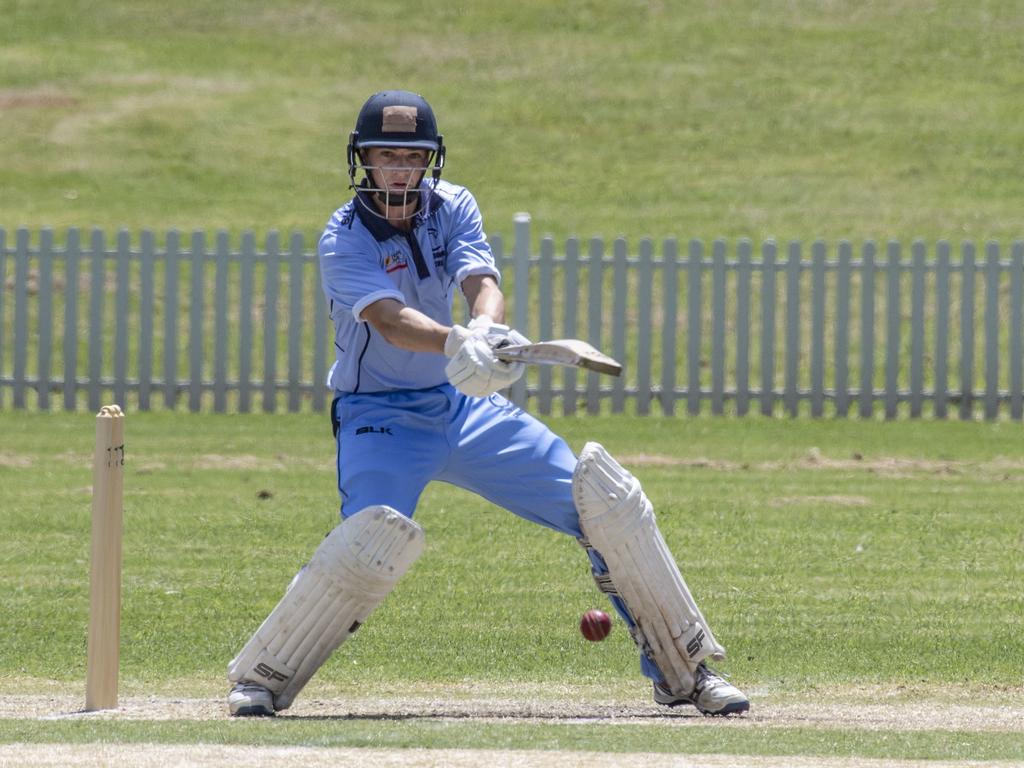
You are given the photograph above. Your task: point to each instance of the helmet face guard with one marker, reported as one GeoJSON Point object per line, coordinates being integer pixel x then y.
{"type": "Point", "coordinates": [399, 120]}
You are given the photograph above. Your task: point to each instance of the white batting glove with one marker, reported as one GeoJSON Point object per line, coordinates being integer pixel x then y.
{"type": "Point", "coordinates": [473, 368]}
{"type": "Point", "coordinates": [497, 334]}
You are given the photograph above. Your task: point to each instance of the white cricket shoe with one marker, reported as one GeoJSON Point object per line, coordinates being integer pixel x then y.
{"type": "Point", "coordinates": [712, 695]}
{"type": "Point", "coordinates": [250, 700]}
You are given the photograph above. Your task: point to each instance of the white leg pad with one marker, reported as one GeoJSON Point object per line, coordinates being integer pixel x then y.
{"type": "Point", "coordinates": [618, 520]}
{"type": "Point", "coordinates": [355, 567]}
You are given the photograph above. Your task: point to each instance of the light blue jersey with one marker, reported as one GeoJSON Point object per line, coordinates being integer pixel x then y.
{"type": "Point", "coordinates": [363, 259]}
{"type": "Point", "coordinates": [397, 421]}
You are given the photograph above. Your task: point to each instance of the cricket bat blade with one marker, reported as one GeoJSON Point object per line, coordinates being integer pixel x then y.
{"type": "Point", "coordinates": [570, 352]}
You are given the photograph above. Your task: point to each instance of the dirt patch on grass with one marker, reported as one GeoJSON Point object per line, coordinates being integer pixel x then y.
{"type": "Point", "coordinates": [884, 466]}
{"type": "Point", "coordinates": [903, 713]}
{"type": "Point", "coordinates": [887, 466]}
{"type": "Point", "coordinates": [35, 99]}
{"type": "Point", "coordinates": [889, 709]}
{"type": "Point", "coordinates": [834, 500]}
{"type": "Point", "coordinates": [15, 461]}
{"type": "Point", "coordinates": [208, 755]}
{"type": "Point", "coordinates": [238, 461]}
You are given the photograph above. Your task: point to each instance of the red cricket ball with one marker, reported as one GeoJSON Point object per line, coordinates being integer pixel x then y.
{"type": "Point", "coordinates": [595, 625]}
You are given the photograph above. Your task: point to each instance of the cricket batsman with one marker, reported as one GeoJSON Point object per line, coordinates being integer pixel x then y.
{"type": "Point", "coordinates": [416, 399]}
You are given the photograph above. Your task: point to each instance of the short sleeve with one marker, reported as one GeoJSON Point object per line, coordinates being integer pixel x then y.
{"type": "Point", "coordinates": [352, 276]}
{"type": "Point", "coordinates": [469, 253]}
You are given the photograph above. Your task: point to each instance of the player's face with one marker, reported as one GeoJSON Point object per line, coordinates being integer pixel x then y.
{"type": "Point", "coordinates": [395, 169]}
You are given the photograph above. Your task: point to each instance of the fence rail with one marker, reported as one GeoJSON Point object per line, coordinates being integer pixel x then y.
{"type": "Point", "coordinates": [929, 330]}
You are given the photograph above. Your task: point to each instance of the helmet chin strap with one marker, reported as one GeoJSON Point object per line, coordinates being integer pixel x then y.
{"type": "Point", "coordinates": [395, 204]}
{"type": "Point", "coordinates": [392, 200]}
{"type": "Point", "coordinates": [398, 201]}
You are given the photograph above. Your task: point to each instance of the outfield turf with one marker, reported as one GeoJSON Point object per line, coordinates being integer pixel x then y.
{"type": "Point", "coordinates": [845, 560]}
{"type": "Point", "coordinates": [865, 577]}
{"type": "Point", "coordinates": [781, 118]}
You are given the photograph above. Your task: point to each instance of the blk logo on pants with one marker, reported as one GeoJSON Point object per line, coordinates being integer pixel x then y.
{"type": "Point", "coordinates": [373, 430]}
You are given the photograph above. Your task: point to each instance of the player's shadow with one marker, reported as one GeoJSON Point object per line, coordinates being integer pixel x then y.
{"type": "Point", "coordinates": [507, 716]}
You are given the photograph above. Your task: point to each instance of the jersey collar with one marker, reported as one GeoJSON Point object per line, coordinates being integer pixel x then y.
{"type": "Point", "coordinates": [380, 228]}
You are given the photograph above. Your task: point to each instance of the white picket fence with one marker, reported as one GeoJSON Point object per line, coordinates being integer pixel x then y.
{"type": "Point", "coordinates": [819, 329]}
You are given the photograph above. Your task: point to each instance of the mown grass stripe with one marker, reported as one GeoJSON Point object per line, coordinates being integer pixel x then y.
{"type": "Point", "coordinates": [717, 737]}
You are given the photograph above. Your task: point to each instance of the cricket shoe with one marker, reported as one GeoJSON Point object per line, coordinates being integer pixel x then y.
{"type": "Point", "coordinates": [712, 695]}
{"type": "Point", "coordinates": [250, 700]}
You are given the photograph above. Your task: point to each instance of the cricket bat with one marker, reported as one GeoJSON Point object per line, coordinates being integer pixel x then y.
{"type": "Point", "coordinates": [570, 352]}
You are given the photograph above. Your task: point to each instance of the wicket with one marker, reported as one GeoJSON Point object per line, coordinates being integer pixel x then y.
{"type": "Point", "coordinates": [105, 571]}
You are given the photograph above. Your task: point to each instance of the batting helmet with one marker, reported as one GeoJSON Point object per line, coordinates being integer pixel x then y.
{"type": "Point", "coordinates": [396, 119]}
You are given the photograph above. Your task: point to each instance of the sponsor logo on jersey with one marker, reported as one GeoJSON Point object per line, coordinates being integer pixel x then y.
{"type": "Point", "coordinates": [395, 261]}
{"type": "Point", "coordinates": [437, 248]}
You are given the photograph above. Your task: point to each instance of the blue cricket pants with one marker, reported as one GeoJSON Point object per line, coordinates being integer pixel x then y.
{"type": "Point", "coordinates": [391, 444]}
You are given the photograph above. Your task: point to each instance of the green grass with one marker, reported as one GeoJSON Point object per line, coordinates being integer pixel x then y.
{"type": "Point", "coordinates": [792, 120]}
{"type": "Point", "coordinates": [829, 556]}
{"type": "Point", "coordinates": [819, 570]}
{"type": "Point", "coordinates": [378, 733]}
{"type": "Point", "coordinates": [785, 119]}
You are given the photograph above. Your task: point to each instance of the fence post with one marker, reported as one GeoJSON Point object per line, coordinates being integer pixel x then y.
{"type": "Point", "coordinates": [595, 302]}
{"type": "Point", "coordinates": [867, 332]}
{"type": "Point", "coordinates": [619, 324]}
{"type": "Point", "coordinates": [718, 328]}
{"type": "Point", "coordinates": [271, 281]}
{"type": "Point", "coordinates": [146, 301]}
{"type": "Point", "coordinates": [992, 272]}
{"type": "Point", "coordinates": [743, 277]}
{"type": "Point", "coordinates": [171, 320]}
{"type": "Point", "coordinates": [571, 295]}
{"type": "Point", "coordinates": [197, 262]}
{"type": "Point", "coordinates": [320, 340]}
{"type": "Point", "coordinates": [220, 323]}
{"type": "Point", "coordinates": [1016, 331]}
{"type": "Point", "coordinates": [546, 325]}
{"type": "Point", "coordinates": [45, 318]}
{"type": "Point", "coordinates": [645, 285]}
{"type": "Point", "coordinates": [892, 331]}
{"type": "Point", "coordinates": [694, 312]}
{"type": "Point", "coordinates": [817, 329]}
{"type": "Point", "coordinates": [842, 341]}
{"type": "Point", "coordinates": [295, 285]}
{"type": "Point", "coordinates": [121, 313]}
{"type": "Point", "coordinates": [792, 371]}
{"type": "Point", "coordinates": [3, 281]}
{"type": "Point", "coordinates": [967, 331]}
{"type": "Point", "coordinates": [245, 291]}
{"type": "Point", "coordinates": [768, 328]}
{"type": "Point", "coordinates": [917, 329]}
{"type": "Point", "coordinates": [670, 279]}
{"type": "Point", "coordinates": [97, 287]}
{"type": "Point", "coordinates": [521, 310]}
{"type": "Point", "coordinates": [942, 294]}
{"type": "Point", "coordinates": [72, 258]}
{"type": "Point", "coordinates": [20, 316]}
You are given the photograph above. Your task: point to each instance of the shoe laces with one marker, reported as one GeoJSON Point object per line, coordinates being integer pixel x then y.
{"type": "Point", "coordinates": [246, 686]}
{"type": "Point", "coordinates": [708, 679]}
